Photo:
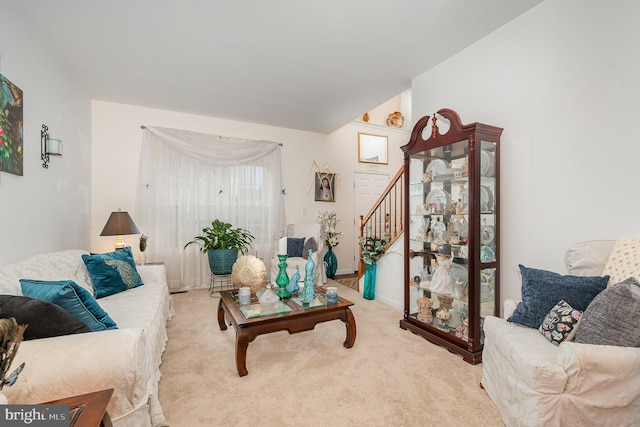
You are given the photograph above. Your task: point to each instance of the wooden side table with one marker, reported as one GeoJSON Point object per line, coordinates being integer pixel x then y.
{"type": "Point", "coordinates": [88, 410]}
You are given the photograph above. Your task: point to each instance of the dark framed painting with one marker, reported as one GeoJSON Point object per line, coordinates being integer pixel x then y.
{"type": "Point", "coordinates": [325, 187]}
{"type": "Point", "coordinates": [11, 128]}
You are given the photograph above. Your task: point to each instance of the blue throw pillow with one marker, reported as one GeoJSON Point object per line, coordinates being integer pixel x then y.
{"type": "Point", "coordinates": [541, 291]}
{"type": "Point", "coordinates": [112, 272]}
{"type": "Point", "coordinates": [73, 298]}
{"type": "Point", "coordinates": [294, 246]}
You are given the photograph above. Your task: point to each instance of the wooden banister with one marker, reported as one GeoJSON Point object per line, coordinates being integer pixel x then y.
{"type": "Point", "coordinates": [385, 216]}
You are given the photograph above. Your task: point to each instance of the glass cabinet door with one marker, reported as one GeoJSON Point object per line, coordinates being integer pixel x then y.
{"type": "Point", "coordinates": [488, 233]}
{"type": "Point", "coordinates": [439, 237]}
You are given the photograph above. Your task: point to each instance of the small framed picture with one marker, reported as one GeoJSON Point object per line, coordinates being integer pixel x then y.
{"type": "Point", "coordinates": [325, 188]}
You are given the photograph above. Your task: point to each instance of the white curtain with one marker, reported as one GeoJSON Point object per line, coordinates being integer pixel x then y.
{"type": "Point", "coordinates": [188, 179]}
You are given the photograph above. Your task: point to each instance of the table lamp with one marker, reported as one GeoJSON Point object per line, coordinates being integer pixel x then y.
{"type": "Point", "coordinates": [119, 224]}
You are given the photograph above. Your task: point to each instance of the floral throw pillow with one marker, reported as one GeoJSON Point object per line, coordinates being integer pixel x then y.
{"type": "Point", "coordinates": [560, 323]}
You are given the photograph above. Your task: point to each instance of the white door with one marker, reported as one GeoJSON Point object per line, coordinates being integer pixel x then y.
{"type": "Point", "coordinates": [367, 187]}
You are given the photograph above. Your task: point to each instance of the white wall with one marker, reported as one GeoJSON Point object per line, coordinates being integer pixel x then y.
{"type": "Point", "coordinates": [117, 139]}
{"type": "Point", "coordinates": [45, 209]}
{"type": "Point", "coordinates": [562, 80]}
{"type": "Point", "coordinates": [343, 149]}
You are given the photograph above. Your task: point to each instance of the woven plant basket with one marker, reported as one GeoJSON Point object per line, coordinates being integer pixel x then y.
{"type": "Point", "coordinates": [221, 260]}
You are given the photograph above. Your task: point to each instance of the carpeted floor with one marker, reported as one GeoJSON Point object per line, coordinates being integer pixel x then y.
{"type": "Point", "coordinates": [390, 377]}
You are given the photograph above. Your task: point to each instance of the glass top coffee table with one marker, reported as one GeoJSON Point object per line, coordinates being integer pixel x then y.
{"type": "Point", "coordinates": [290, 314]}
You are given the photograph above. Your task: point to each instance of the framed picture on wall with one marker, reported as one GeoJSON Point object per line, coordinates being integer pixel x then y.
{"type": "Point", "coordinates": [372, 148]}
{"type": "Point", "coordinates": [325, 188]}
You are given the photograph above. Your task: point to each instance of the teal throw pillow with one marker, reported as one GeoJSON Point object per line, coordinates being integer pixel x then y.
{"type": "Point", "coordinates": [541, 291]}
{"type": "Point", "coordinates": [294, 246]}
{"type": "Point", "coordinates": [112, 272]}
{"type": "Point", "coordinates": [73, 298]}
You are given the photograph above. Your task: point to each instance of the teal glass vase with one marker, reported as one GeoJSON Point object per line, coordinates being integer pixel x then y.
{"type": "Point", "coordinates": [282, 280]}
{"type": "Point", "coordinates": [369, 281]}
{"type": "Point", "coordinates": [330, 263]}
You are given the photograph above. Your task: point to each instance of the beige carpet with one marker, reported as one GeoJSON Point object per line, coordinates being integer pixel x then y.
{"type": "Point", "coordinates": [390, 377]}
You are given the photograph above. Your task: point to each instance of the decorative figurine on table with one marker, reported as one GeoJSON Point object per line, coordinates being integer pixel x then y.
{"type": "Point", "coordinates": [268, 298]}
{"type": "Point", "coordinates": [293, 282]}
{"type": "Point", "coordinates": [308, 292]}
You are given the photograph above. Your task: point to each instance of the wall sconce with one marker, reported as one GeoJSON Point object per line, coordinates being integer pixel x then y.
{"type": "Point", "coordinates": [119, 224]}
{"type": "Point", "coordinates": [48, 147]}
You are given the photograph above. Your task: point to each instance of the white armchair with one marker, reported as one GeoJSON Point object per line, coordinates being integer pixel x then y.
{"type": "Point", "coordinates": [534, 383]}
{"type": "Point", "coordinates": [306, 230]}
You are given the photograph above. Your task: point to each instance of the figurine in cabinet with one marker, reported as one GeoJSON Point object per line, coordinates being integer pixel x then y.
{"type": "Point", "coordinates": [443, 314]}
{"type": "Point", "coordinates": [441, 280]}
{"type": "Point", "coordinates": [424, 305]}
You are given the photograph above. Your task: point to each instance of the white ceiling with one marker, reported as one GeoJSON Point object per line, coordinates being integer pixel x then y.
{"type": "Point", "coordinates": [313, 65]}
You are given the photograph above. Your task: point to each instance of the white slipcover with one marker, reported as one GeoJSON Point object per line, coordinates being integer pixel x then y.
{"type": "Point", "coordinates": [305, 230]}
{"type": "Point", "coordinates": [535, 383]}
{"type": "Point", "coordinates": [126, 359]}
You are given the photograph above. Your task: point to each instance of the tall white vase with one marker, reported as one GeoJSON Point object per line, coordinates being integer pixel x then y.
{"type": "Point", "coordinates": [143, 258]}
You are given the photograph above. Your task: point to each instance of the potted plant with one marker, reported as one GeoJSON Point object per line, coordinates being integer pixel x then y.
{"type": "Point", "coordinates": [372, 250]}
{"type": "Point", "coordinates": [328, 220]}
{"type": "Point", "coordinates": [221, 242]}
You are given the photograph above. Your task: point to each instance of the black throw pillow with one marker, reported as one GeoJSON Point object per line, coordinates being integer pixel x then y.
{"type": "Point", "coordinates": [43, 319]}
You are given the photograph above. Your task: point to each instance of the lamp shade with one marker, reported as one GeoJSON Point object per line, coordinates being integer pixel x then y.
{"type": "Point", "coordinates": [118, 224]}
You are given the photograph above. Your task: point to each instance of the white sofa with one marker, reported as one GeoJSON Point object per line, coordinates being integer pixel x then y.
{"type": "Point", "coordinates": [126, 359]}
{"type": "Point", "coordinates": [536, 383]}
{"type": "Point", "coordinates": [305, 230]}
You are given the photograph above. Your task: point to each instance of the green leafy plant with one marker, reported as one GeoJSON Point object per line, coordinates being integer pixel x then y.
{"type": "Point", "coordinates": [373, 248]}
{"type": "Point", "coordinates": [222, 235]}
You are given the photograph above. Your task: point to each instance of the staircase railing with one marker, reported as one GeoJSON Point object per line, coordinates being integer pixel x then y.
{"type": "Point", "coordinates": [385, 216]}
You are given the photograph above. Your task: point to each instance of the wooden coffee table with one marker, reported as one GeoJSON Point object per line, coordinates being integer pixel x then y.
{"type": "Point", "coordinates": [291, 315]}
{"type": "Point", "coordinates": [88, 410]}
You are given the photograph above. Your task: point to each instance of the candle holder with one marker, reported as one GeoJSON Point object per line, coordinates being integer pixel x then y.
{"type": "Point", "coordinates": [283, 279]}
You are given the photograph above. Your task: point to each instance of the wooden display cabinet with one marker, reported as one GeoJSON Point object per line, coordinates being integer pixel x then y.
{"type": "Point", "coordinates": [452, 213]}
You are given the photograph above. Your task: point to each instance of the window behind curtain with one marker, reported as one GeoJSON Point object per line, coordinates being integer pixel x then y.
{"type": "Point", "coordinates": [189, 179]}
